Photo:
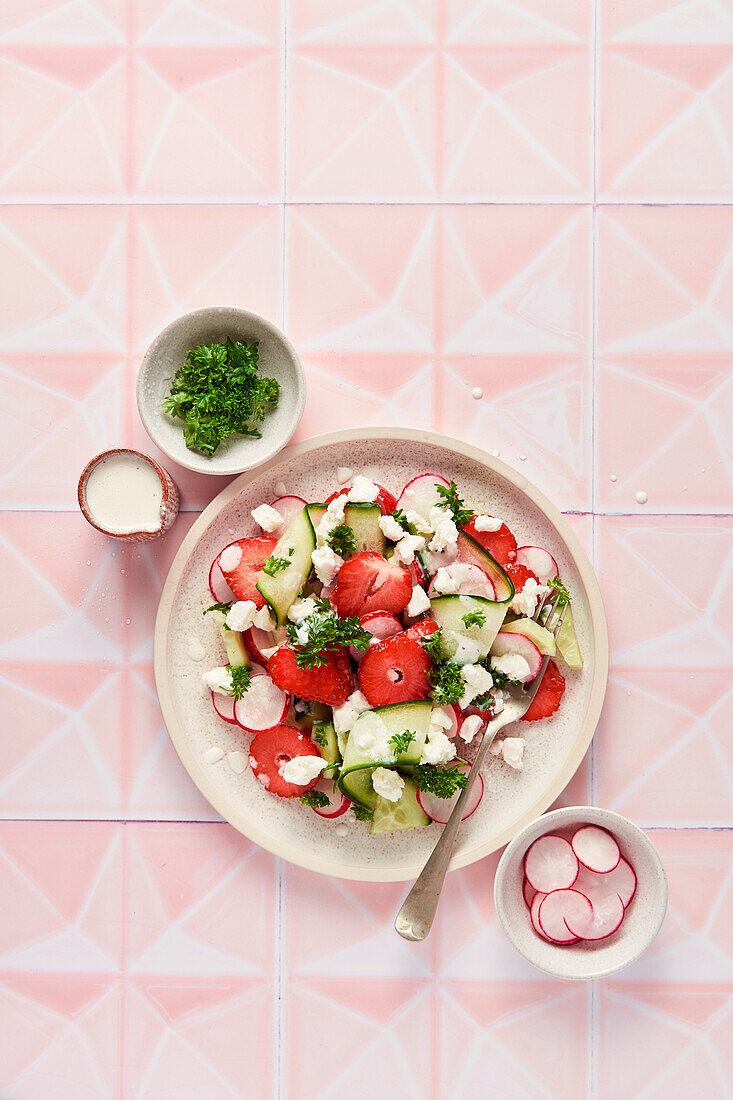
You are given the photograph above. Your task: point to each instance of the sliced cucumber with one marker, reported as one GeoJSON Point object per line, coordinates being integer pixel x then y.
{"type": "Point", "coordinates": [405, 814]}
{"type": "Point", "coordinates": [316, 513]}
{"type": "Point", "coordinates": [357, 786]}
{"type": "Point", "coordinates": [324, 736]}
{"type": "Point", "coordinates": [541, 637]}
{"type": "Point", "coordinates": [363, 519]}
{"type": "Point", "coordinates": [567, 642]}
{"type": "Point", "coordinates": [394, 719]}
{"type": "Point", "coordinates": [471, 551]}
{"type": "Point", "coordinates": [236, 650]}
{"type": "Point", "coordinates": [448, 612]}
{"type": "Point", "coordinates": [296, 546]}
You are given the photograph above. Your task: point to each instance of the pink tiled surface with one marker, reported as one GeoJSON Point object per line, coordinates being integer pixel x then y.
{"type": "Point", "coordinates": [430, 195]}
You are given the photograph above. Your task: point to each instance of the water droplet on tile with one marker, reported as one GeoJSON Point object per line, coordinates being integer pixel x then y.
{"type": "Point", "coordinates": [522, 458]}
{"type": "Point", "coordinates": [614, 477]}
{"type": "Point", "coordinates": [127, 622]}
{"type": "Point", "coordinates": [684, 488]}
{"type": "Point", "coordinates": [642, 497]}
{"type": "Point", "coordinates": [496, 453]}
{"type": "Point", "coordinates": [477, 393]}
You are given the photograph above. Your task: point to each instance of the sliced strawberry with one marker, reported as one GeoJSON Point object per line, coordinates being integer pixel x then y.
{"type": "Point", "coordinates": [422, 628]}
{"type": "Point", "coordinates": [519, 574]}
{"type": "Point", "coordinates": [395, 671]}
{"type": "Point", "coordinates": [243, 578]}
{"type": "Point", "coordinates": [331, 683]}
{"type": "Point", "coordinates": [368, 582]}
{"type": "Point", "coordinates": [385, 500]}
{"type": "Point", "coordinates": [271, 749]}
{"type": "Point", "coordinates": [548, 696]}
{"type": "Point", "coordinates": [500, 544]}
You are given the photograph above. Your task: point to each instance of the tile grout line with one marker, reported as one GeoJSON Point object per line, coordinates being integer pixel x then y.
{"type": "Point", "coordinates": [124, 201]}
{"type": "Point", "coordinates": [593, 990]}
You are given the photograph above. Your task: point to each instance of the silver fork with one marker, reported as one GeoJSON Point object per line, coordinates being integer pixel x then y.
{"type": "Point", "coordinates": [415, 918]}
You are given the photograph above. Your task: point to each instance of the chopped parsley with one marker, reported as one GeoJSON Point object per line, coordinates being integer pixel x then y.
{"type": "Point", "coordinates": [399, 517]}
{"type": "Point", "coordinates": [500, 678]}
{"type": "Point", "coordinates": [342, 541]}
{"type": "Point", "coordinates": [218, 392]}
{"type": "Point", "coordinates": [325, 631]}
{"type": "Point", "coordinates": [447, 683]}
{"type": "Point", "coordinates": [273, 565]}
{"type": "Point", "coordinates": [319, 736]}
{"type": "Point", "coordinates": [402, 741]}
{"type": "Point", "coordinates": [442, 782]}
{"type": "Point", "coordinates": [317, 800]}
{"type": "Point", "coordinates": [452, 502]}
{"type": "Point", "coordinates": [474, 618]}
{"type": "Point", "coordinates": [563, 596]}
{"type": "Point", "coordinates": [223, 607]}
{"type": "Point", "coordinates": [361, 813]}
{"type": "Point", "coordinates": [241, 679]}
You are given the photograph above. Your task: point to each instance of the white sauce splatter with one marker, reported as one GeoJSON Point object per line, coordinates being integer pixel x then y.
{"type": "Point", "coordinates": [214, 755]}
{"type": "Point", "coordinates": [237, 761]}
{"type": "Point", "coordinates": [195, 650]}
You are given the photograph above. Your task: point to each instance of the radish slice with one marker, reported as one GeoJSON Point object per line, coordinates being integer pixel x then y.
{"type": "Point", "coordinates": [596, 849]}
{"type": "Point", "coordinates": [262, 706]}
{"type": "Point", "coordinates": [621, 880]}
{"type": "Point", "coordinates": [518, 644]}
{"type": "Point", "coordinates": [551, 864]}
{"type": "Point", "coordinates": [555, 910]}
{"type": "Point", "coordinates": [218, 587]}
{"type": "Point", "coordinates": [470, 581]}
{"type": "Point", "coordinates": [338, 803]}
{"type": "Point", "coordinates": [529, 892]}
{"type": "Point", "coordinates": [534, 911]}
{"type": "Point", "coordinates": [453, 715]}
{"type": "Point", "coordinates": [539, 561]}
{"type": "Point", "coordinates": [417, 572]}
{"type": "Point", "coordinates": [420, 494]}
{"type": "Point", "coordinates": [257, 640]}
{"type": "Point", "coordinates": [439, 809]}
{"type": "Point", "coordinates": [224, 707]}
{"type": "Point", "coordinates": [288, 507]}
{"type": "Point", "coordinates": [381, 625]}
{"type": "Point", "coordinates": [603, 920]}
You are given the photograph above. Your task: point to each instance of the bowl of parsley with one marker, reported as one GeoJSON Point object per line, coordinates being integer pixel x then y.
{"type": "Point", "coordinates": [221, 390]}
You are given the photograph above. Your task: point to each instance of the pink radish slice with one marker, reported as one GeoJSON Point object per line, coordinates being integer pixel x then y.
{"type": "Point", "coordinates": [529, 893]}
{"type": "Point", "coordinates": [540, 561]}
{"type": "Point", "coordinates": [417, 572]}
{"type": "Point", "coordinates": [596, 849]}
{"type": "Point", "coordinates": [507, 643]}
{"type": "Point", "coordinates": [381, 625]}
{"type": "Point", "coordinates": [288, 507]}
{"type": "Point", "coordinates": [218, 587]}
{"type": "Point", "coordinates": [534, 910]}
{"type": "Point", "coordinates": [453, 714]}
{"type": "Point", "coordinates": [551, 864]}
{"type": "Point", "coordinates": [262, 706]}
{"type": "Point", "coordinates": [554, 911]}
{"type": "Point", "coordinates": [621, 880]}
{"type": "Point", "coordinates": [224, 707]}
{"type": "Point", "coordinates": [256, 640]}
{"type": "Point", "coordinates": [420, 494]}
{"type": "Point", "coordinates": [470, 581]}
{"type": "Point", "coordinates": [604, 919]}
{"type": "Point", "coordinates": [439, 809]}
{"type": "Point", "coordinates": [338, 804]}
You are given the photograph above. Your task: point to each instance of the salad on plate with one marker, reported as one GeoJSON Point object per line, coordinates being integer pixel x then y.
{"type": "Point", "coordinates": [369, 637]}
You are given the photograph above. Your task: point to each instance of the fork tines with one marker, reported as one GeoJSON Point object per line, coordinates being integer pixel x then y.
{"type": "Point", "coordinates": [548, 607]}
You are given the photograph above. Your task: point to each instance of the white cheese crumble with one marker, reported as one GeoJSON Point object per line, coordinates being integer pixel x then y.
{"type": "Point", "coordinates": [477, 681]}
{"type": "Point", "coordinates": [301, 608]}
{"type": "Point", "coordinates": [301, 770]}
{"type": "Point", "coordinates": [326, 563]}
{"type": "Point", "coordinates": [263, 618]}
{"type": "Point", "coordinates": [512, 749]}
{"type": "Point", "coordinates": [390, 528]}
{"type": "Point", "coordinates": [240, 615]}
{"type": "Point", "coordinates": [219, 680]}
{"type": "Point", "coordinates": [419, 601]}
{"type": "Point", "coordinates": [444, 583]}
{"type": "Point", "coordinates": [230, 558]}
{"type": "Point", "coordinates": [498, 698]}
{"type": "Point", "coordinates": [467, 651]}
{"type": "Point", "coordinates": [345, 715]}
{"type": "Point", "coordinates": [525, 602]}
{"type": "Point", "coordinates": [439, 749]}
{"type": "Point", "coordinates": [470, 727]}
{"type": "Point", "coordinates": [333, 517]}
{"type": "Point", "coordinates": [439, 721]}
{"type": "Point", "coordinates": [421, 525]}
{"type": "Point", "coordinates": [363, 491]}
{"type": "Point", "coordinates": [446, 532]}
{"type": "Point", "coordinates": [482, 522]}
{"type": "Point", "coordinates": [388, 784]}
{"type": "Point", "coordinates": [512, 665]}
{"type": "Point", "coordinates": [267, 517]}
{"type": "Point", "coordinates": [407, 547]}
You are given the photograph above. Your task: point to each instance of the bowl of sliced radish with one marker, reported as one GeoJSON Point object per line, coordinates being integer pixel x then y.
{"type": "Point", "coordinates": [581, 892]}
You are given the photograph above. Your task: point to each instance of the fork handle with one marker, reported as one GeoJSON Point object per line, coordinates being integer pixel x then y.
{"type": "Point", "coordinates": [415, 918]}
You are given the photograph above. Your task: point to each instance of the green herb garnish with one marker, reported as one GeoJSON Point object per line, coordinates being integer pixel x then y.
{"type": "Point", "coordinates": [447, 682]}
{"type": "Point", "coordinates": [218, 392]}
{"type": "Point", "coordinates": [399, 516]}
{"type": "Point", "coordinates": [241, 679]}
{"type": "Point", "coordinates": [319, 737]}
{"type": "Point", "coordinates": [402, 741]}
{"type": "Point", "coordinates": [563, 596]}
{"type": "Point", "coordinates": [342, 541]}
{"type": "Point", "coordinates": [223, 607]}
{"type": "Point", "coordinates": [273, 565]}
{"type": "Point", "coordinates": [474, 618]}
{"type": "Point", "coordinates": [442, 782]}
{"type": "Point", "coordinates": [453, 503]}
{"type": "Point", "coordinates": [500, 678]}
{"type": "Point", "coordinates": [317, 800]}
{"type": "Point", "coordinates": [325, 631]}
{"type": "Point", "coordinates": [361, 813]}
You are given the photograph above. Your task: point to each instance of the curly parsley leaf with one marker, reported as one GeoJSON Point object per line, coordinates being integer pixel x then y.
{"type": "Point", "coordinates": [273, 565]}
{"type": "Point", "coordinates": [563, 596]}
{"type": "Point", "coordinates": [361, 813]}
{"type": "Point", "coordinates": [342, 541]}
{"type": "Point", "coordinates": [219, 392]}
{"type": "Point", "coordinates": [474, 618]}
{"type": "Point", "coordinates": [325, 631]}
{"type": "Point", "coordinates": [402, 741]}
{"type": "Point", "coordinates": [446, 680]}
{"type": "Point", "coordinates": [317, 800]}
{"type": "Point", "coordinates": [442, 782]}
{"type": "Point", "coordinates": [500, 678]}
{"type": "Point", "coordinates": [223, 607]}
{"type": "Point", "coordinates": [399, 517]}
{"type": "Point", "coordinates": [452, 502]}
{"type": "Point", "coordinates": [241, 679]}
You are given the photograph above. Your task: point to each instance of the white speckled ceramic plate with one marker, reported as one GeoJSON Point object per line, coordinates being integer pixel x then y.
{"type": "Point", "coordinates": [512, 799]}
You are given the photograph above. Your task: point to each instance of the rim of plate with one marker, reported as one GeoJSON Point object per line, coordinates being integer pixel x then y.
{"type": "Point", "coordinates": [312, 861]}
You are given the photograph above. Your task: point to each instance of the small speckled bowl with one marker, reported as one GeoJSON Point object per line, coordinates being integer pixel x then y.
{"type": "Point", "coordinates": [168, 508]}
{"type": "Point", "coordinates": [642, 919]}
{"type": "Point", "coordinates": [277, 359]}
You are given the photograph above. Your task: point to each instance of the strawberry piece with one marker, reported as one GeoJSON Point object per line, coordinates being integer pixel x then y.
{"type": "Point", "coordinates": [385, 500]}
{"type": "Point", "coordinates": [422, 628]}
{"type": "Point", "coordinates": [500, 544]}
{"type": "Point", "coordinates": [395, 671]}
{"type": "Point", "coordinates": [519, 575]}
{"type": "Point", "coordinates": [368, 582]}
{"type": "Point", "coordinates": [331, 683]}
{"type": "Point", "coordinates": [243, 578]}
{"type": "Point", "coordinates": [548, 696]}
{"type": "Point", "coordinates": [271, 749]}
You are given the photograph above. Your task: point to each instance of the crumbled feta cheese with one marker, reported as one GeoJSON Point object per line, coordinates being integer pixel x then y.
{"type": "Point", "coordinates": [302, 769]}
{"type": "Point", "coordinates": [439, 720]}
{"type": "Point", "coordinates": [498, 698]}
{"type": "Point", "coordinates": [512, 665]}
{"type": "Point", "coordinates": [230, 558]}
{"type": "Point", "coordinates": [467, 651]}
{"type": "Point", "coordinates": [363, 491]}
{"type": "Point", "coordinates": [470, 727]}
{"type": "Point", "coordinates": [332, 517]}
{"type": "Point", "coordinates": [301, 609]}
{"type": "Point", "coordinates": [370, 735]}
{"type": "Point", "coordinates": [263, 619]}
{"type": "Point", "coordinates": [421, 525]}
{"type": "Point", "coordinates": [267, 517]}
{"type": "Point", "coordinates": [512, 749]}
{"type": "Point", "coordinates": [344, 474]}
{"type": "Point", "coordinates": [446, 532]}
{"type": "Point", "coordinates": [219, 680]}
{"type": "Point", "coordinates": [388, 784]}
{"type": "Point", "coordinates": [444, 583]}
{"type": "Point", "coordinates": [345, 715]}
{"type": "Point", "coordinates": [390, 528]}
{"type": "Point", "coordinates": [439, 749]}
{"type": "Point", "coordinates": [419, 601]}
{"type": "Point", "coordinates": [326, 563]}
{"type": "Point", "coordinates": [407, 547]}
{"type": "Point", "coordinates": [477, 680]}
{"type": "Point", "coordinates": [482, 522]}
{"type": "Point", "coordinates": [301, 633]}
{"type": "Point", "coordinates": [525, 602]}
{"type": "Point", "coordinates": [241, 615]}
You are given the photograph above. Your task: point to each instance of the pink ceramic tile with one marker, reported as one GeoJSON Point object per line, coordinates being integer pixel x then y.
{"type": "Point", "coordinates": [205, 102]}
{"type": "Point", "coordinates": [663, 613]}
{"type": "Point", "coordinates": [67, 79]}
{"type": "Point", "coordinates": [662, 752]}
{"type": "Point", "coordinates": [514, 1039]}
{"type": "Point", "coordinates": [666, 78]}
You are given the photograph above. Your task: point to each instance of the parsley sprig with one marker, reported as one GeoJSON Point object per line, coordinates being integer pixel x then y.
{"type": "Point", "coordinates": [399, 517]}
{"type": "Point", "coordinates": [447, 682]}
{"type": "Point", "coordinates": [563, 596]}
{"type": "Point", "coordinates": [241, 679]}
{"type": "Point", "coordinates": [218, 392]}
{"type": "Point", "coordinates": [452, 502]}
{"type": "Point", "coordinates": [342, 541]}
{"type": "Point", "coordinates": [361, 813]}
{"type": "Point", "coordinates": [402, 741]}
{"type": "Point", "coordinates": [223, 607]}
{"type": "Point", "coordinates": [273, 565]}
{"type": "Point", "coordinates": [325, 631]}
{"type": "Point", "coordinates": [317, 800]}
{"type": "Point", "coordinates": [474, 618]}
{"type": "Point", "coordinates": [442, 782]}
